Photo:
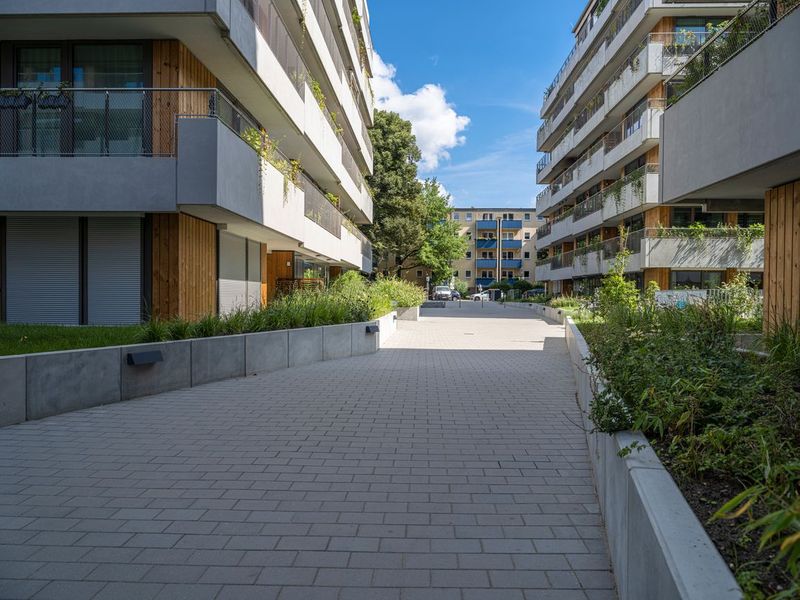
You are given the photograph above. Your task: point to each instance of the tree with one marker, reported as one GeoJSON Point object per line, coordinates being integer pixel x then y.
{"type": "Point", "coordinates": [523, 285]}
{"type": "Point", "coordinates": [398, 217]}
{"type": "Point", "coordinates": [411, 218]}
{"type": "Point", "coordinates": [442, 243]}
{"type": "Point", "coordinates": [461, 286]}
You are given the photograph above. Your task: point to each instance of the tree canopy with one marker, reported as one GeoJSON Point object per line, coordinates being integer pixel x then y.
{"type": "Point", "coordinates": [411, 226]}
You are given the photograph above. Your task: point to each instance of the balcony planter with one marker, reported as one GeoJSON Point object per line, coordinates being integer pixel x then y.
{"type": "Point", "coordinates": [53, 102]}
{"type": "Point", "coordinates": [16, 101]}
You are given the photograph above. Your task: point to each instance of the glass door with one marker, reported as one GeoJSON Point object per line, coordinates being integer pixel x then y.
{"type": "Point", "coordinates": [110, 116]}
{"type": "Point", "coordinates": [38, 126]}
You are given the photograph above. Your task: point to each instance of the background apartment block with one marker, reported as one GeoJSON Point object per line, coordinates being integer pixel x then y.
{"type": "Point", "coordinates": [138, 161]}
{"type": "Point", "coordinates": [601, 139]}
{"type": "Point", "coordinates": [501, 245]}
{"type": "Point", "coordinates": [739, 121]}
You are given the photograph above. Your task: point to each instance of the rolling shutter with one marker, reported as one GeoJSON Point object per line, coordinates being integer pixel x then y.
{"type": "Point", "coordinates": [232, 272]}
{"type": "Point", "coordinates": [114, 270]}
{"type": "Point", "coordinates": [253, 273]}
{"type": "Point", "coordinates": [43, 270]}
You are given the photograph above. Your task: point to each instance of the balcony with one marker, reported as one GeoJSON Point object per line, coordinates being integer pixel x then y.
{"type": "Point", "coordinates": [512, 244]}
{"type": "Point", "coordinates": [486, 224]}
{"type": "Point", "coordinates": [562, 227]}
{"type": "Point", "coordinates": [631, 193]}
{"type": "Point", "coordinates": [486, 263]}
{"type": "Point", "coordinates": [691, 249]}
{"type": "Point", "coordinates": [719, 117]}
{"type": "Point", "coordinates": [484, 282]}
{"type": "Point", "coordinates": [512, 263]}
{"type": "Point", "coordinates": [543, 236]}
{"type": "Point", "coordinates": [543, 270]}
{"type": "Point", "coordinates": [544, 200]}
{"type": "Point", "coordinates": [636, 134]}
{"type": "Point", "coordinates": [587, 261]}
{"type": "Point", "coordinates": [486, 244]}
{"type": "Point", "coordinates": [511, 224]}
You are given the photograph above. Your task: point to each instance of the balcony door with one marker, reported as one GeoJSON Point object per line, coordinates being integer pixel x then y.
{"type": "Point", "coordinates": [107, 114]}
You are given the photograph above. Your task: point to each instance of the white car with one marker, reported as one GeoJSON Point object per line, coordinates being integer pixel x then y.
{"type": "Point", "coordinates": [482, 296]}
{"type": "Point", "coordinates": [442, 292]}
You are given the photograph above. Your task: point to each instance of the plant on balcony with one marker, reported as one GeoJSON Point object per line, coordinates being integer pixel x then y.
{"type": "Point", "coordinates": [636, 181]}
{"type": "Point", "coordinates": [16, 99]}
{"type": "Point", "coordinates": [745, 236]}
{"type": "Point", "coordinates": [332, 198]}
{"type": "Point", "coordinates": [267, 149]}
{"type": "Point", "coordinates": [600, 6]}
{"type": "Point", "coordinates": [615, 191]}
{"type": "Point", "coordinates": [319, 96]}
{"type": "Point", "coordinates": [356, 17]}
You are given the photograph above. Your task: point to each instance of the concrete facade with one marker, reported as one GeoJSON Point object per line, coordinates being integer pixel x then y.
{"type": "Point", "coordinates": [603, 143]}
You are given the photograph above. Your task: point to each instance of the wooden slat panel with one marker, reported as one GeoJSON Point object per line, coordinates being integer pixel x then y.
{"type": "Point", "coordinates": [264, 275]}
{"type": "Point", "coordinates": [786, 256]}
{"type": "Point", "coordinates": [795, 257]}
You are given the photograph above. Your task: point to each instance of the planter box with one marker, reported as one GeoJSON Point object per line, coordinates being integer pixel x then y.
{"type": "Point", "coordinates": [266, 352]}
{"type": "Point", "coordinates": [12, 382]}
{"type": "Point", "coordinates": [35, 386]}
{"type": "Point", "coordinates": [410, 313]}
{"type": "Point", "coordinates": [173, 373]}
{"type": "Point", "coordinates": [217, 358]}
{"type": "Point", "coordinates": [659, 549]}
{"type": "Point", "coordinates": [59, 382]}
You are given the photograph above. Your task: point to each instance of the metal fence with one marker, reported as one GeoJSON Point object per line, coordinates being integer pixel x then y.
{"type": "Point", "coordinates": [741, 31]}
{"type": "Point", "coordinates": [98, 122]}
{"type": "Point", "coordinates": [320, 210]}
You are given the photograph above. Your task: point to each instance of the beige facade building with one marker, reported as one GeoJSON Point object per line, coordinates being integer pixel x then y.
{"type": "Point", "coordinates": [501, 245]}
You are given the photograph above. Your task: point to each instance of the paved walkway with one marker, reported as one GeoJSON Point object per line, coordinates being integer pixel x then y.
{"type": "Point", "coordinates": [447, 466]}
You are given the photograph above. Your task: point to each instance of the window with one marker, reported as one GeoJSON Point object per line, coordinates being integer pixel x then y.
{"type": "Point", "coordinates": [456, 216]}
{"type": "Point", "coordinates": [702, 280]}
{"type": "Point", "coordinates": [487, 254]}
{"type": "Point", "coordinates": [526, 274]}
{"type": "Point", "coordinates": [747, 219]}
{"type": "Point", "coordinates": [419, 273]}
{"type": "Point", "coordinates": [508, 274]}
{"type": "Point", "coordinates": [527, 235]}
{"type": "Point", "coordinates": [508, 216]}
{"type": "Point", "coordinates": [469, 235]}
{"type": "Point", "coordinates": [486, 274]}
{"type": "Point", "coordinates": [507, 235]}
{"type": "Point", "coordinates": [488, 216]}
{"type": "Point", "coordinates": [468, 274]}
{"type": "Point", "coordinates": [508, 255]}
{"type": "Point", "coordinates": [469, 253]}
{"type": "Point", "coordinates": [527, 216]}
{"type": "Point", "coordinates": [469, 217]}
{"type": "Point", "coordinates": [455, 274]}
{"type": "Point", "coordinates": [526, 255]}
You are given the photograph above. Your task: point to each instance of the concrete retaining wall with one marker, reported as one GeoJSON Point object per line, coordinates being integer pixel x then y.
{"type": "Point", "coordinates": [659, 549]}
{"type": "Point", "coordinates": [554, 314]}
{"type": "Point", "coordinates": [410, 313]}
{"type": "Point", "coordinates": [35, 386]}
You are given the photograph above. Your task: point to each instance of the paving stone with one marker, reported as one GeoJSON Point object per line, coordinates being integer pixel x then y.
{"type": "Point", "coordinates": [444, 464]}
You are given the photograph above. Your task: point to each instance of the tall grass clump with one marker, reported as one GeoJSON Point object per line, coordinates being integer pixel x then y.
{"type": "Point", "coordinates": [349, 299]}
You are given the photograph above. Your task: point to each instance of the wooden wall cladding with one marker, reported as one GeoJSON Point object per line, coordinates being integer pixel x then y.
{"type": "Point", "coordinates": [174, 66]}
{"type": "Point", "coordinates": [280, 265]}
{"type": "Point", "coordinates": [782, 255]}
{"type": "Point", "coordinates": [184, 267]}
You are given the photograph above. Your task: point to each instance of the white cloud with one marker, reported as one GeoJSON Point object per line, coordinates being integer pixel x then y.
{"type": "Point", "coordinates": [434, 121]}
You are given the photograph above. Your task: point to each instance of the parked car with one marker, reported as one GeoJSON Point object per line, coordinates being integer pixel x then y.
{"type": "Point", "coordinates": [456, 295]}
{"type": "Point", "coordinates": [442, 292]}
{"type": "Point", "coordinates": [481, 296]}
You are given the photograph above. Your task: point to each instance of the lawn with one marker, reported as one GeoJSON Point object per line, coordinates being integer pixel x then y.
{"type": "Point", "coordinates": [26, 339]}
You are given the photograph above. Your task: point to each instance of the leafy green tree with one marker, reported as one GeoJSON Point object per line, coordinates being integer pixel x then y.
{"type": "Point", "coordinates": [523, 285]}
{"type": "Point", "coordinates": [461, 286]}
{"type": "Point", "coordinates": [397, 230]}
{"type": "Point", "coordinates": [411, 218]}
{"type": "Point", "coordinates": [442, 243]}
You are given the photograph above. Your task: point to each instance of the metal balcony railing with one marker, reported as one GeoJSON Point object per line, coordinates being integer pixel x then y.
{"type": "Point", "coordinates": [544, 230]}
{"type": "Point", "coordinates": [111, 122]}
{"type": "Point", "coordinates": [631, 124]}
{"type": "Point", "coordinates": [320, 210]}
{"type": "Point", "coordinates": [543, 162]}
{"type": "Point", "coordinates": [742, 30]}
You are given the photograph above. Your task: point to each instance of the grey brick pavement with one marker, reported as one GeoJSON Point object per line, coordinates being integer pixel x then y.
{"type": "Point", "coordinates": [447, 466]}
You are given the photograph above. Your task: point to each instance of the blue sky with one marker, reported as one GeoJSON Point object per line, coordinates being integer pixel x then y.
{"type": "Point", "coordinates": [469, 75]}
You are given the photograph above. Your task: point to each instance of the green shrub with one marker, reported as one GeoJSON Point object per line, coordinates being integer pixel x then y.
{"type": "Point", "coordinates": [398, 291]}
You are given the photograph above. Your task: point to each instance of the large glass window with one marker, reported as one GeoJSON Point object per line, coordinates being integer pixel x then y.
{"type": "Point", "coordinates": [109, 121]}
{"type": "Point", "coordinates": [38, 129]}
{"type": "Point", "coordinates": [701, 280]}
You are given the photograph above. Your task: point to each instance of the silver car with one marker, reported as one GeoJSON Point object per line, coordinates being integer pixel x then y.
{"type": "Point", "coordinates": [442, 292]}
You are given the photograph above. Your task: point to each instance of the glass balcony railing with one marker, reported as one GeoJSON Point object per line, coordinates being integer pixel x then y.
{"type": "Point", "coordinates": [320, 210]}
{"type": "Point", "coordinates": [512, 263]}
{"type": "Point", "coordinates": [486, 224]}
{"type": "Point", "coordinates": [486, 244]}
{"type": "Point", "coordinates": [486, 263]}
{"type": "Point", "coordinates": [512, 244]}
{"type": "Point", "coordinates": [511, 224]}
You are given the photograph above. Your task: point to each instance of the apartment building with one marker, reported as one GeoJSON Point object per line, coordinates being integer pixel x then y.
{"type": "Point", "coordinates": [179, 157]}
{"type": "Point", "coordinates": [602, 153]}
{"type": "Point", "coordinates": [501, 246]}
{"type": "Point", "coordinates": [733, 110]}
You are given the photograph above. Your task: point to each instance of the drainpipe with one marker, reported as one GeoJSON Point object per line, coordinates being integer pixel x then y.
{"type": "Point", "coordinates": [499, 249]}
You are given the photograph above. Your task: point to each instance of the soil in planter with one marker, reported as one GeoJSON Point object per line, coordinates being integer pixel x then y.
{"type": "Point", "coordinates": [756, 571]}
